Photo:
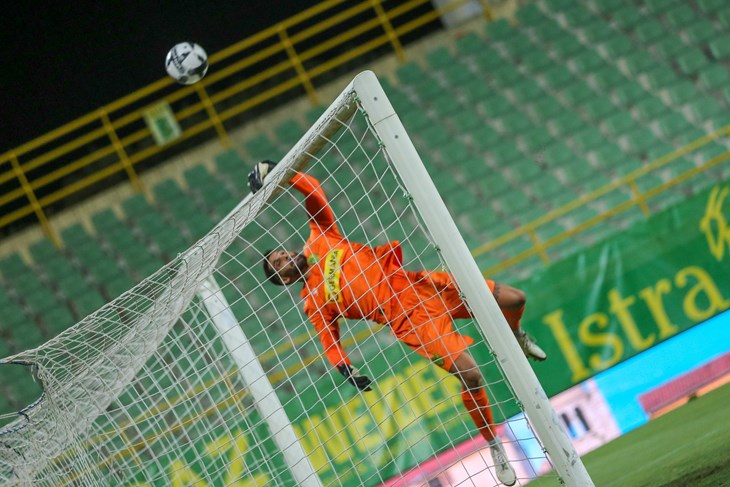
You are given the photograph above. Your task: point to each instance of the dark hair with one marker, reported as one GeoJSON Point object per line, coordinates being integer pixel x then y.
{"type": "Point", "coordinates": [269, 271]}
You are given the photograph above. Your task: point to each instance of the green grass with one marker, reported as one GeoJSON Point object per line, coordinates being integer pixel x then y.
{"type": "Point", "coordinates": [689, 446]}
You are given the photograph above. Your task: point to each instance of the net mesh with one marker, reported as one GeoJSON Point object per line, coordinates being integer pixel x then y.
{"type": "Point", "coordinates": [146, 392]}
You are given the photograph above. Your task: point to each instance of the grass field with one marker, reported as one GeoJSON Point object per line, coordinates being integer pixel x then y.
{"type": "Point", "coordinates": [689, 446]}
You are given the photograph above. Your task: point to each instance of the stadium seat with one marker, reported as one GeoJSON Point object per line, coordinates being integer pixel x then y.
{"type": "Point", "coordinates": [679, 15]}
{"type": "Point", "coordinates": [468, 45]}
{"type": "Point", "coordinates": [547, 32]}
{"type": "Point", "coordinates": [618, 124]}
{"type": "Point", "coordinates": [672, 124]}
{"type": "Point", "coordinates": [608, 78]}
{"type": "Point", "coordinates": [629, 93]}
{"type": "Point", "coordinates": [57, 320]}
{"type": "Point", "coordinates": [288, 133]}
{"type": "Point", "coordinates": [680, 93]}
{"type": "Point", "coordinates": [650, 108]}
{"type": "Point", "coordinates": [557, 76]}
{"type": "Point", "coordinates": [596, 32]}
{"type": "Point", "coordinates": [720, 48]}
{"type": "Point", "coordinates": [661, 77]}
{"type": "Point", "coordinates": [699, 33]}
{"type": "Point", "coordinates": [232, 166]}
{"type": "Point", "coordinates": [714, 77]}
{"type": "Point", "coordinates": [626, 17]}
{"type": "Point", "coordinates": [577, 93]}
{"type": "Point", "coordinates": [649, 31]}
{"type": "Point", "coordinates": [704, 109]}
{"type": "Point", "coordinates": [691, 62]}
{"type": "Point", "coordinates": [616, 46]}
{"type": "Point", "coordinates": [259, 148]}
{"type": "Point", "coordinates": [587, 139]}
{"type": "Point", "coordinates": [712, 7]}
{"type": "Point", "coordinates": [136, 205]}
{"type": "Point", "coordinates": [499, 30]}
{"type": "Point", "coordinates": [669, 48]}
{"type": "Point", "coordinates": [566, 124]}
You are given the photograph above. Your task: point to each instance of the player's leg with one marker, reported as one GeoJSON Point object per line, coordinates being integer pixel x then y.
{"type": "Point", "coordinates": [512, 303]}
{"type": "Point", "coordinates": [476, 403]}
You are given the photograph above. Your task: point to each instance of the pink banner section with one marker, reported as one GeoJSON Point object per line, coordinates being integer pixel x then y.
{"type": "Point", "coordinates": [583, 412]}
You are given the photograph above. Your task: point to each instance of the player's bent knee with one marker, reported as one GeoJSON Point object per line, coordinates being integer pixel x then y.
{"type": "Point", "coordinates": [509, 297]}
{"type": "Point", "coordinates": [472, 379]}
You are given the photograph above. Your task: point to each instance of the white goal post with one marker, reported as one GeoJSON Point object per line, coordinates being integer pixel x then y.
{"type": "Point", "coordinates": [205, 374]}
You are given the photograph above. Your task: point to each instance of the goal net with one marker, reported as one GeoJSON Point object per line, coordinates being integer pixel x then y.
{"type": "Point", "coordinates": [206, 374]}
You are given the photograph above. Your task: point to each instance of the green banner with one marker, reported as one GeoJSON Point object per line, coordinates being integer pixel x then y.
{"type": "Point", "coordinates": [654, 280]}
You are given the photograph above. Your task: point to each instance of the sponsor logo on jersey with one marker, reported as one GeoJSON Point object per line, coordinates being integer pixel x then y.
{"type": "Point", "coordinates": [332, 267]}
{"type": "Point", "coordinates": [437, 360]}
{"type": "Point", "coordinates": [313, 259]}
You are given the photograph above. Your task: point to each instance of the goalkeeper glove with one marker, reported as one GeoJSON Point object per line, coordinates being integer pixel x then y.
{"type": "Point", "coordinates": [360, 381]}
{"type": "Point", "coordinates": [258, 174]}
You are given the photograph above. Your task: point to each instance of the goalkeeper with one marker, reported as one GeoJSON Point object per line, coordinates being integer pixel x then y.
{"type": "Point", "coordinates": [344, 279]}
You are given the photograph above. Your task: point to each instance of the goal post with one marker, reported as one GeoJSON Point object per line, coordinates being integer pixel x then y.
{"type": "Point", "coordinates": [488, 316]}
{"type": "Point", "coordinates": [206, 374]}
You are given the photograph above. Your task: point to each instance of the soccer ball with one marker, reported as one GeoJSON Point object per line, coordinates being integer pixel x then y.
{"type": "Point", "coordinates": [187, 63]}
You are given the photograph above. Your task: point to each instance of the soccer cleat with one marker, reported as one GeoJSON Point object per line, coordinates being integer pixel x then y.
{"type": "Point", "coordinates": [529, 346]}
{"type": "Point", "coordinates": [505, 472]}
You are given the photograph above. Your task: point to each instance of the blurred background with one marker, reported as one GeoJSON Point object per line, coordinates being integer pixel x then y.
{"type": "Point", "coordinates": [581, 147]}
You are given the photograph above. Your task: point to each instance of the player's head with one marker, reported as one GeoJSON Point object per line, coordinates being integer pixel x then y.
{"type": "Point", "coordinates": [283, 267]}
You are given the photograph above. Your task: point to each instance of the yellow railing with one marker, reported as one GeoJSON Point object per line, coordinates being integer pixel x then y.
{"type": "Point", "coordinates": [109, 145]}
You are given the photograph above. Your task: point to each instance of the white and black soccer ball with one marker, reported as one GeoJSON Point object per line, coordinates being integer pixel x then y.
{"type": "Point", "coordinates": [187, 63]}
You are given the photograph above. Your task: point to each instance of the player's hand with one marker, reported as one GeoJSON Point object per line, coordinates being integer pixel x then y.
{"type": "Point", "coordinates": [360, 381]}
{"type": "Point", "coordinates": [258, 174]}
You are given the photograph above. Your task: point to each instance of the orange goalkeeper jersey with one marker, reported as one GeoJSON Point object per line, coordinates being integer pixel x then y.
{"type": "Point", "coordinates": [346, 279]}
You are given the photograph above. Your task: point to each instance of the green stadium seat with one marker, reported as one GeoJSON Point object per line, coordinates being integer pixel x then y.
{"type": "Point", "coordinates": [88, 303]}
{"type": "Point", "coordinates": [499, 30]}
{"type": "Point", "coordinates": [704, 109]}
{"type": "Point", "coordinates": [469, 44]}
{"type": "Point", "coordinates": [104, 220]}
{"type": "Point", "coordinates": [439, 58]}
{"type": "Point", "coordinates": [557, 76]}
{"type": "Point", "coordinates": [672, 124]}
{"type": "Point", "coordinates": [13, 315]}
{"type": "Point", "coordinates": [288, 132]}
{"type": "Point", "coordinates": [680, 15]}
{"type": "Point", "coordinates": [712, 7]}
{"type": "Point", "coordinates": [662, 77]}
{"type": "Point", "coordinates": [313, 114]}
{"type": "Point", "coordinates": [587, 62]}
{"type": "Point", "coordinates": [626, 17]}
{"type": "Point", "coordinates": [545, 108]}
{"type": "Point", "coordinates": [487, 60]}
{"type": "Point", "coordinates": [484, 138]}
{"type": "Point", "coordinates": [259, 147]}
{"type": "Point", "coordinates": [115, 287]}
{"type": "Point", "coordinates": [579, 171]}
{"type": "Point", "coordinates": [505, 153]}
{"type": "Point", "coordinates": [231, 165]}
{"type": "Point", "coordinates": [639, 141]}
{"type": "Point", "coordinates": [536, 61]}
{"type": "Point", "coordinates": [465, 122]}
{"type": "Point", "coordinates": [547, 32]}
{"type": "Point", "coordinates": [587, 140]}
{"type": "Point", "coordinates": [136, 205]}
{"type": "Point", "coordinates": [26, 337]}
{"type": "Point", "coordinates": [639, 62]}
{"type": "Point", "coordinates": [720, 48]}
{"type": "Point", "coordinates": [629, 93]}
{"type": "Point", "coordinates": [577, 93]}
{"type": "Point", "coordinates": [608, 78]}
{"type": "Point", "coordinates": [566, 123]}
{"type": "Point", "coordinates": [519, 46]}
{"type": "Point", "coordinates": [598, 108]}
{"type": "Point", "coordinates": [649, 31]}
{"type": "Point", "coordinates": [409, 73]}
{"type": "Point", "coordinates": [566, 47]}
{"type": "Point", "coordinates": [516, 122]}
{"type": "Point", "coordinates": [198, 178]}
{"type": "Point", "coordinates": [617, 46]}
{"type": "Point", "coordinates": [536, 139]}
{"type": "Point", "coordinates": [445, 108]}
{"type": "Point", "coordinates": [596, 32]}
{"type": "Point", "coordinates": [692, 62]}
{"type": "Point", "coordinates": [669, 48]}
{"type": "Point", "coordinates": [75, 236]}
{"type": "Point", "coordinates": [608, 156]}
{"type": "Point", "coordinates": [57, 320]}
{"type": "Point", "coordinates": [714, 77]}
{"type": "Point", "coordinates": [506, 76]}
{"type": "Point", "coordinates": [530, 14]}
{"type": "Point", "coordinates": [528, 90]}
{"type": "Point", "coordinates": [700, 32]}
{"type": "Point", "coordinates": [681, 93]}
{"type": "Point", "coordinates": [658, 7]}
{"type": "Point", "coordinates": [456, 76]}
{"type": "Point", "coordinates": [650, 108]}
{"type": "Point", "coordinates": [724, 18]}
{"type": "Point", "coordinates": [618, 124]}
{"type": "Point", "coordinates": [557, 155]}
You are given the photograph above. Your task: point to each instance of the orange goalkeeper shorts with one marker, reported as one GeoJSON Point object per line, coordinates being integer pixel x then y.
{"type": "Point", "coordinates": [423, 310]}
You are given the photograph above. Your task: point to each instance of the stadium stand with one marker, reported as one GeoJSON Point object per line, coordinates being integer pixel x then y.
{"type": "Point", "coordinates": [520, 117]}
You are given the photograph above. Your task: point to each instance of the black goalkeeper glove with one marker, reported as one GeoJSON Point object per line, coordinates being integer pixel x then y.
{"type": "Point", "coordinates": [258, 174]}
{"type": "Point", "coordinates": [360, 381]}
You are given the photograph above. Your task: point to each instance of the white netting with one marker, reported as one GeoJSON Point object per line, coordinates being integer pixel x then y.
{"type": "Point", "coordinates": [146, 392]}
